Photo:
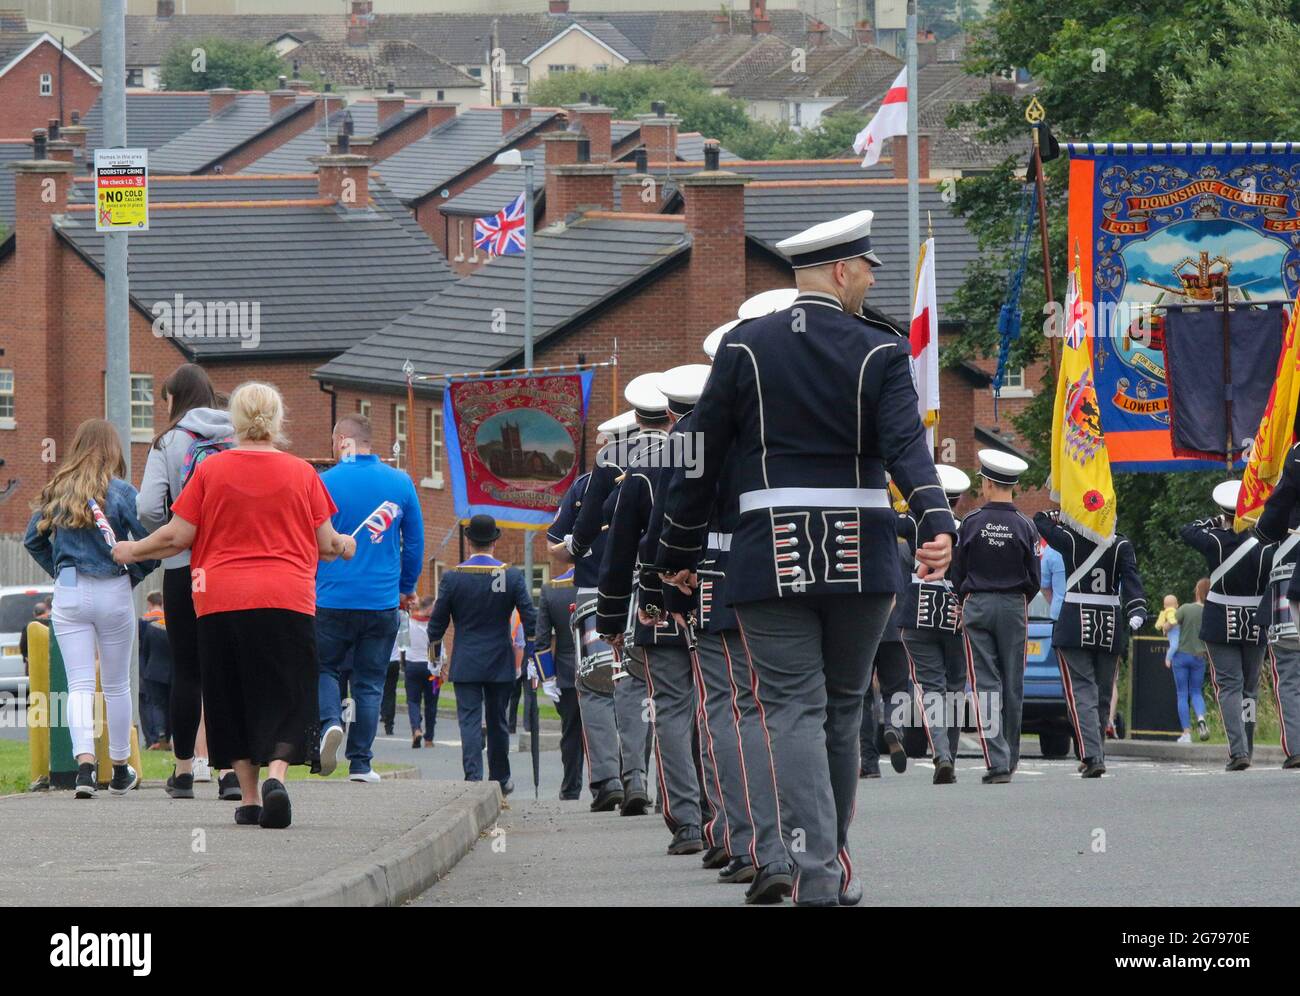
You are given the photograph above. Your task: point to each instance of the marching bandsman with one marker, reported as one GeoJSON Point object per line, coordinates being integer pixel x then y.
{"type": "Point", "coordinates": [1103, 594]}
{"type": "Point", "coordinates": [478, 598]}
{"type": "Point", "coordinates": [813, 403]}
{"type": "Point", "coordinates": [931, 621]}
{"type": "Point", "coordinates": [662, 649]}
{"type": "Point", "coordinates": [1231, 627]}
{"type": "Point", "coordinates": [995, 572]}
{"type": "Point", "coordinates": [893, 677]}
{"type": "Point", "coordinates": [1280, 523]}
{"type": "Point", "coordinates": [738, 779]}
{"type": "Point", "coordinates": [555, 637]}
{"type": "Point", "coordinates": [596, 709]}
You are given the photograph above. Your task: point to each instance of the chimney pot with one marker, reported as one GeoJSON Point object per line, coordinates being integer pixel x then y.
{"type": "Point", "coordinates": [392, 87]}
{"type": "Point", "coordinates": [349, 127]}
{"type": "Point", "coordinates": [659, 108]}
{"type": "Point", "coordinates": [53, 128]}
{"type": "Point", "coordinates": [329, 87]}
{"type": "Point", "coordinates": [297, 68]}
{"type": "Point", "coordinates": [76, 117]}
{"type": "Point", "coordinates": [344, 140]}
{"type": "Point", "coordinates": [38, 144]}
{"type": "Point", "coordinates": [710, 156]}
{"type": "Point", "coordinates": [282, 80]}
{"type": "Point", "coordinates": [442, 94]}
{"type": "Point", "coordinates": [639, 159]}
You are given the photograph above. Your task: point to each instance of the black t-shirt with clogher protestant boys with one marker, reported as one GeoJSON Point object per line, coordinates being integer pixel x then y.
{"type": "Point", "coordinates": [997, 550]}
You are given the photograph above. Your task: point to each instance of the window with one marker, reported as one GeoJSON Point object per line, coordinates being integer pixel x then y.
{"type": "Point", "coordinates": [434, 480]}
{"type": "Point", "coordinates": [519, 74]}
{"type": "Point", "coordinates": [47, 85]}
{"type": "Point", "coordinates": [601, 67]}
{"type": "Point", "coordinates": [135, 77]}
{"type": "Point", "coordinates": [561, 67]}
{"type": "Point", "coordinates": [460, 241]}
{"type": "Point", "coordinates": [399, 436]}
{"type": "Point", "coordinates": [476, 72]}
{"type": "Point", "coordinates": [363, 407]}
{"type": "Point", "coordinates": [141, 405]}
{"type": "Point", "coordinates": [1013, 384]}
{"type": "Point", "coordinates": [6, 398]}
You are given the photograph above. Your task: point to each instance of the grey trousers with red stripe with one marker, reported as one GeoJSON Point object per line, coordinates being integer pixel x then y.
{"type": "Point", "coordinates": [737, 764]}
{"type": "Point", "coordinates": [672, 689]}
{"type": "Point", "coordinates": [938, 661]}
{"type": "Point", "coordinates": [1286, 686]}
{"type": "Point", "coordinates": [995, 624]}
{"type": "Point", "coordinates": [812, 657]}
{"type": "Point", "coordinates": [1089, 679]}
{"type": "Point", "coordinates": [1234, 671]}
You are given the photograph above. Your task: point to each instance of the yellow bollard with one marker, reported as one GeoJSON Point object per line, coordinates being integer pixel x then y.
{"type": "Point", "coordinates": [38, 704]}
{"type": "Point", "coordinates": [103, 763]}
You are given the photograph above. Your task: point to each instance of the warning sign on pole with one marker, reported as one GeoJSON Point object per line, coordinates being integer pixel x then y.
{"type": "Point", "coordinates": [121, 190]}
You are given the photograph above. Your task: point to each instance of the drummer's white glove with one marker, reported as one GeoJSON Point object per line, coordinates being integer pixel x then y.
{"type": "Point", "coordinates": [1135, 622]}
{"type": "Point", "coordinates": [551, 689]}
{"type": "Point", "coordinates": [568, 545]}
{"type": "Point", "coordinates": [532, 672]}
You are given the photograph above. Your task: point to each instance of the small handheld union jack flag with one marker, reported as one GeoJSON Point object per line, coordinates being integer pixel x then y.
{"type": "Point", "coordinates": [502, 234]}
{"type": "Point", "coordinates": [101, 520]}
{"type": "Point", "coordinates": [379, 521]}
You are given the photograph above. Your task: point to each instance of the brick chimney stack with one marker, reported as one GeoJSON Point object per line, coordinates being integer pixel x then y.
{"type": "Point", "coordinates": [816, 34]}
{"type": "Point", "coordinates": [898, 152]}
{"type": "Point", "coordinates": [513, 115]}
{"type": "Point", "coordinates": [638, 191]}
{"type": "Point", "coordinates": [927, 49]}
{"type": "Point", "coordinates": [572, 180]}
{"type": "Point", "coordinates": [281, 99]}
{"type": "Point", "coordinates": [390, 103]}
{"type": "Point", "coordinates": [557, 6]}
{"type": "Point", "coordinates": [344, 176]}
{"type": "Point", "coordinates": [761, 25]}
{"type": "Point", "coordinates": [220, 98]}
{"type": "Point", "coordinates": [865, 34]}
{"type": "Point", "coordinates": [594, 120]}
{"type": "Point", "coordinates": [721, 24]}
{"type": "Point", "coordinates": [715, 221]}
{"type": "Point", "coordinates": [659, 135]}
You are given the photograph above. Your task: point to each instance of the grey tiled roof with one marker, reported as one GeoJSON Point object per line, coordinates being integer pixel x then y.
{"type": "Point", "coordinates": [690, 148]}
{"type": "Point", "coordinates": [149, 38]}
{"type": "Point", "coordinates": [13, 43]}
{"type": "Point", "coordinates": [215, 137]}
{"type": "Point", "coordinates": [576, 271]}
{"type": "Point", "coordinates": [325, 278]}
{"type": "Point", "coordinates": [234, 187]}
{"type": "Point", "coordinates": [620, 130]}
{"type": "Point", "coordinates": [153, 118]}
{"type": "Point", "coordinates": [374, 65]}
{"type": "Point", "coordinates": [726, 60]}
{"type": "Point", "coordinates": [10, 152]}
{"type": "Point", "coordinates": [495, 191]}
{"type": "Point", "coordinates": [294, 155]}
{"type": "Point", "coordinates": [774, 213]}
{"type": "Point", "coordinates": [449, 150]}
{"type": "Point", "coordinates": [860, 71]}
{"type": "Point", "coordinates": [606, 32]}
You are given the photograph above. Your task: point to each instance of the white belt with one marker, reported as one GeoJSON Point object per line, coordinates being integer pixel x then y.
{"type": "Point", "coordinates": [719, 541]}
{"type": "Point", "coordinates": [939, 583]}
{"type": "Point", "coordinates": [1243, 601]}
{"type": "Point", "coordinates": [582, 592]}
{"type": "Point", "coordinates": [1087, 598]}
{"type": "Point", "coordinates": [751, 501]}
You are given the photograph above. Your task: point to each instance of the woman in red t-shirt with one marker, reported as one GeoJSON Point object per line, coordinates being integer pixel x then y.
{"type": "Point", "coordinates": [257, 521]}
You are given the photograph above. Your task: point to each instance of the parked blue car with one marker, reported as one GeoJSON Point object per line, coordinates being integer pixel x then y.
{"type": "Point", "coordinates": [1045, 711]}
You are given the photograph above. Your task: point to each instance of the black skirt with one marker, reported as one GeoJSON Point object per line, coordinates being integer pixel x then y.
{"type": "Point", "coordinates": [259, 686]}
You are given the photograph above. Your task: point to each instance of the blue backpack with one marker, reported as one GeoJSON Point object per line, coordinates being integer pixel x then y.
{"type": "Point", "coordinates": [201, 447]}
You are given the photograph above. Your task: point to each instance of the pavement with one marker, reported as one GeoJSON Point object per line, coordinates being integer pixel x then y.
{"type": "Point", "coordinates": [1160, 833]}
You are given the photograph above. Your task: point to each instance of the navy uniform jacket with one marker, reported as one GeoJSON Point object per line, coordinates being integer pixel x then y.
{"type": "Point", "coordinates": [554, 614]}
{"type": "Point", "coordinates": [813, 404]}
{"type": "Point", "coordinates": [897, 618]}
{"type": "Point", "coordinates": [997, 550]}
{"type": "Point", "coordinates": [1098, 606]}
{"type": "Point", "coordinates": [1232, 608]}
{"type": "Point", "coordinates": [931, 605]}
{"type": "Point", "coordinates": [1281, 514]}
{"type": "Point", "coordinates": [478, 596]}
{"type": "Point", "coordinates": [592, 516]}
{"type": "Point", "coordinates": [622, 578]}
{"type": "Point", "coordinates": [586, 569]}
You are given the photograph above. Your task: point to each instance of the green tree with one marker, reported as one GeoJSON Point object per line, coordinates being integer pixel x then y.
{"type": "Point", "coordinates": [206, 63]}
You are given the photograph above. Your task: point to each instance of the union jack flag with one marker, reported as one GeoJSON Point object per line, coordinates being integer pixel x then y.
{"type": "Point", "coordinates": [502, 234]}
{"type": "Point", "coordinates": [101, 520]}
{"type": "Point", "coordinates": [379, 521]}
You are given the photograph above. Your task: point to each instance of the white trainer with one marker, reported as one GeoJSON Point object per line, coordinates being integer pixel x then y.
{"type": "Point", "coordinates": [369, 777]}
{"type": "Point", "coordinates": [202, 770]}
{"type": "Point", "coordinates": [330, 743]}
{"type": "Point", "coordinates": [1186, 738]}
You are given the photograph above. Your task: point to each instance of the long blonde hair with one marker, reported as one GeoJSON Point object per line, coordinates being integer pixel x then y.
{"type": "Point", "coordinates": [94, 459]}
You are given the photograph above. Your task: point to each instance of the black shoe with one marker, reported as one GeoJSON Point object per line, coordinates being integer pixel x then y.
{"type": "Point", "coordinates": [1203, 729]}
{"type": "Point", "coordinates": [124, 779]}
{"type": "Point", "coordinates": [180, 786]}
{"type": "Point", "coordinates": [851, 892]}
{"type": "Point", "coordinates": [1239, 763]}
{"type": "Point", "coordinates": [869, 771]}
{"type": "Point", "coordinates": [1092, 768]}
{"type": "Point", "coordinates": [609, 798]}
{"type": "Point", "coordinates": [570, 798]}
{"type": "Point", "coordinates": [635, 802]}
{"type": "Point", "coordinates": [945, 772]}
{"type": "Point", "coordinates": [715, 857]}
{"type": "Point", "coordinates": [388, 731]}
{"type": "Point", "coordinates": [1292, 762]}
{"type": "Point", "coordinates": [996, 778]}
{"type": "Point", "coordinates": [86, 787]}
{"type": "Point", "coordinates": [772, 883]}
{"type": "Point", "coordinates": [248, 816]}
{"type": "Point", "coordinates": [687, 840]}
{"type": "Point", "coordinates": [228, 787]}
{"type": "Point", "coordinates": [276, 811]}
{"type": "Point", "coordinates": [897, 753]}
{"type": "Point", "coordinates": [738, 870]}
{"type": "Point", "coordinates": [507, 787]}
{"type": "Point", "coordinates": [416, 740]}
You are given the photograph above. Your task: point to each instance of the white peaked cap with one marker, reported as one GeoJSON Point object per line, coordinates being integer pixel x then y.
{"type": "Point", "coordinates": [1225, 495]}
{"type": "Point", "coordinates": [714, 339]}
{"type": "Point", "coordinates": [767, 302]}
{"type": "Point", "coordinates": [840, 238]}
{"type": "Point", "coordinates": [953, 480]}
{"type": "Point", "coordinates": [1000, 467]}
{"type": "Point", "coordinates": [683, 385]}
{"type": "Point", "coordinates": [643, 394]}
{"type": "Point", "coordinates": [619, 425]}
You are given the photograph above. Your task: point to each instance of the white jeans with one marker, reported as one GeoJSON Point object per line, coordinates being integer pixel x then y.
{"type": "Point", "coordinates": [97, 611]}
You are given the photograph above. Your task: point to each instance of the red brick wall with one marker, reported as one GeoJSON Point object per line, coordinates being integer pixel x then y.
{"type": "Point", "coordinates": [246, 155]}
{"type": "Point", "coordinates": [22, 108]}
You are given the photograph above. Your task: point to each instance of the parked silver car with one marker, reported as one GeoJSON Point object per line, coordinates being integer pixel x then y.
{"type": "Point", "coordinates": [16, 604]}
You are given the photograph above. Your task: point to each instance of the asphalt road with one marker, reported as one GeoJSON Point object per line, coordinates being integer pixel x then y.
{"type": "Point", "coordinates": [1148, 833]}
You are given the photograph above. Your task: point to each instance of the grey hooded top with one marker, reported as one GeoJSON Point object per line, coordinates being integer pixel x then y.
{"type": "Point", "coordinates": [161, 485]}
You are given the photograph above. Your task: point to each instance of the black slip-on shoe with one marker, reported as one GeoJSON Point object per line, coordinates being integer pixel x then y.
{"type": "Point", "coordinates": [228, 787]}
{"type": "Point", "coordinates": [608, 798]}
{"type": "Point", "coordinates": [869, 771]}
{"type": "Point", "coordinates": [248, 816]}
{"type": "Point", "coordinates": [996, 778]}
{"type": "Point", "coordinates": [897, 753]}
{"type": "Point", "coordinates": [687, 840]}
{"type": "Point", "coordinates": [1239, 763]}
{"type": "Point", "coordinates": [715, 857]}
{"type": "Point", "coordinates": [738, 871]}
{"type": "Point", "coordinates": [1092, 768]}
{"type": "Point", "coordinates": [124, 779]}
{"type": "Point", "coordinates": [945, 772]}
{"type": "Point", "coordinates": [180, 786]}
{"type": "Point", "coordinates": [276, 811]}
{"type": "Point", "coordinates": [86, 787]}
{"type": "Point", "coordinates": [772, 883]}
{"type": "Point", "coordinates": [635, 802]}
{"type": "Point", "coordinates": [1292, 762]}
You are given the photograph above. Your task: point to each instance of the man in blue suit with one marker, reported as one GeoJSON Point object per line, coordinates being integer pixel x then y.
{"type": "Point", "coordinates": [478, 598]}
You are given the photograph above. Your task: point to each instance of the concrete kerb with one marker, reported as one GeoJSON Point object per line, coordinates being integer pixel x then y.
{"type": "Point", "coordinates": [397, 872]}
{"type": "Point", "coordinates": [1165, 750]}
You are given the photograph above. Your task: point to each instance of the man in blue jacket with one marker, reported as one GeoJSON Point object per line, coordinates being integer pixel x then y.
{"type": "Point", "coordinates": [478, 598]}
{"type": "Point", "coordinates": [357, 600]}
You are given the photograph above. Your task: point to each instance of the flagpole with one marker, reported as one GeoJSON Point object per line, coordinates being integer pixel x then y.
{"type": "Point", "coordinates": [528, 335]}
{"type": "Point", "coordinates": [913, 176]}
{"type": "Point", "coordinates": [1035, 115]}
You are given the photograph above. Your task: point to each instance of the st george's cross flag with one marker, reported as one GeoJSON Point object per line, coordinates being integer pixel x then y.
{"type": "Point", "coordinates": [1081, 479]}
{"type": "Point", "coordinates": [102, 523]}
{"type": "Point", "coordinates": [924, 336]}
{"type": "Point", "coordinates": [502, 234]}
{"type": "Point", "coordinates": [380, 520]}
{"type": "Point", "coordinates": [890, 120]}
